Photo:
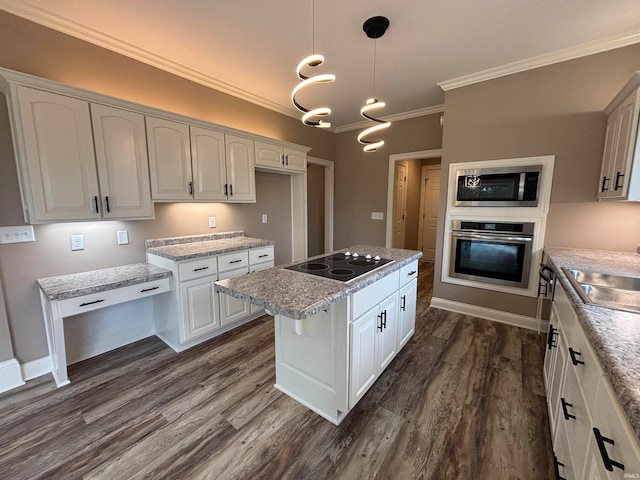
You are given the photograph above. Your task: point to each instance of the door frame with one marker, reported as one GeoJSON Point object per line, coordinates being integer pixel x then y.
{"type": "Point", "coordinates": [393, 209]}
{"type": "Point", "coordinates": [423, 170]}
{"type": "Point", "coordinates": [397, 157]}
{"type": "Point", "coordinates": [328, 200]}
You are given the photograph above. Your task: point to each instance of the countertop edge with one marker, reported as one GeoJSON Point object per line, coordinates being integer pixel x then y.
{"type": "Point", "coordinates": [256, 243]}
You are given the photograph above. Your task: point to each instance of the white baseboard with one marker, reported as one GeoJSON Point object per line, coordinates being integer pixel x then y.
{"type": "Point", "coordinates": [36, 368]}
{"type": "Point", "coordinates": [10, 375]}
{"type": "Point", "coordinates": [523, 321]}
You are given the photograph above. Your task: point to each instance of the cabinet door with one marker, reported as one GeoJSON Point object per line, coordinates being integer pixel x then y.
{"type": "Point", "coordinates": [388, 337]}
{"type": "Point", "coordinates": [256, 268]}
{"type": "Point", "coordinates": [295, 160]}
{"type": "Point", "coordinates": [610, 145]}
{"type": "Point", "coordinates": [407, 317]}
{"type": "Point", "coordinates": [240, 169]}
{"type": "Point", "coordinates": [624, 149]}
{"type": "Point", "coordinates": [363, 355]}
{"type": "Point", "coordinates": [58, 169]}
{"type": "Point", "coordinates": [232, 309]}
{"type": "Point", "coordinates": [199, 308]}
{"type": "Point", "coordinates": [209, 166]}
{"type": "Point", "coordinates": [553, 394]}
{"type": "Point", "coordinates": [169, 159]}
{"type": "Point", "coordinates": [123, 166]}
{"type": "Point", "coordinates": [268, 155]}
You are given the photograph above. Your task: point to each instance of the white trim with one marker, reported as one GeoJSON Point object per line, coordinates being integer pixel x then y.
{"type": "Point", "coordinates": [329, 176]}
{"type": "Point", "coordinates": [396, 157]}
{"type": "Point", "coordinates": [514, 319]}
{"type": "Point", "coordinates": [36, 368]}
{"type": "Point", "coordinates": [10, 375]}
{"type": "Point", "coordinates": [563, 55]}
{"type": "Point", "coordinates": [421, 112]}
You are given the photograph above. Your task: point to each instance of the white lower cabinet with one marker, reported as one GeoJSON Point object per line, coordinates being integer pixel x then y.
{"type": "Point", "coordinates": [407, 313]}
{"type": "Point", "coordinates": [195, 312]}
{"type": "Point", "coordinates": [592, 438]}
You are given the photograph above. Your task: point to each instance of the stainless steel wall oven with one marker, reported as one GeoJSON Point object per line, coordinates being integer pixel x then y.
{"type": "Point", "coordinates": [492, 252]}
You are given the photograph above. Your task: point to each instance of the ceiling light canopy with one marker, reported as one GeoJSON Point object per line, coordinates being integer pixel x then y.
{"type": "Point", "coordinates": [374, 27]}
{"type": "Point", "coordinates": [310, 116]}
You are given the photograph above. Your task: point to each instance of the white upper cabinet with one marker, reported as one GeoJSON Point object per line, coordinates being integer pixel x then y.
{"type": "Point", "coordinates": [276, 157]}
{"type": "Point", "coordinates": [169, 159]}
{"type": "Point", "coordinates": [209, 165]}
{"type": "Point", "coordinates": [123, 167]}
{"type": "Point", "coordinates": [240, 169]}
{"type": "Point", "coordinates": [620, 175]}
{"type": "Point", "coordinates": [55, 156]}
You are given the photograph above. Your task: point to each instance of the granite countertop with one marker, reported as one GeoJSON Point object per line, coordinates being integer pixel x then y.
{"type": "Point", "coordinates": [299, 295]}
{"type": "Point", "coordinates": [195, 246]}
{"type": "Point", "coordinates": [614, 334]}
{"type": "Point", "coordinates": [84, 283]}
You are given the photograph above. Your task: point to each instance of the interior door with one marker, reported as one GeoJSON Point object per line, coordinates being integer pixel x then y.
{"type": "Point", "coordinates": [399, 204]}
{"type": "Point", "coordinates": [429, 197]}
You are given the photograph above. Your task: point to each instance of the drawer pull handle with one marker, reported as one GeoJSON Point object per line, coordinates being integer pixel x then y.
{"type": "Point", "coordinates": [551, 337]}
{"type": "Point", "coordinates": [404, 303]}
{"type": "Point", "coordinates": [236, 261]}
{"type": "Point", "coordinates": [262, 256]}
{"type": "Point", "coordinates": [381, 324]}
{"type": "Point", "coordinates": [556, 463]}
{"type": "Point", "coordinates": [149, 289]}
{"type": "Point", "coordinates": [91, 303]}
{"type": "Point", "coordinates": [618, 176]}
{"type": "Point", "coordinates": [200, 269]}
{"type": "Point", "coordinates": [604, 182]}
{"type": "Point", "coordinates": [573, 354]}
{"type": "Point", "coordinates": [226, 190]}
{"type": "Point", "coordinates": [412, 272]}
{"type": "Point", "coordinates": [608, 462]}
{"type": "Point", "coordinates": [566, 404]}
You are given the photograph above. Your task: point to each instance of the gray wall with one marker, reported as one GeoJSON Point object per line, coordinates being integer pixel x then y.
{"type": "Point", "coordinates": [315, 209]}
{"type": "Point", "coordinates": [554, 110]}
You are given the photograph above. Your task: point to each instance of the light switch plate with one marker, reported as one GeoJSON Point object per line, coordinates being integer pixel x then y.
{"type": "Point", "coordinates": [264, 218]}
{"type": "Point", "coordinates": [18, 234]}
{"type": "Point", "coordinates": [377, 215]}
{"type": "Point", "coordinates": [212, 222]}
{"type": "Point", "coordinates": [123, 237]}
{"type": "Point", "coordinates": [77, 242]}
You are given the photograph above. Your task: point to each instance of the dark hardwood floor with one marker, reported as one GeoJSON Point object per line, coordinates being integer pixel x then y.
{"type": "Point", "coordinates": [463, 400]}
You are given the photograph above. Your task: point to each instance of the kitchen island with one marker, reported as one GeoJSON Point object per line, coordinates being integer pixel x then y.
{"type": "Point", "coordinates": [334, 338]}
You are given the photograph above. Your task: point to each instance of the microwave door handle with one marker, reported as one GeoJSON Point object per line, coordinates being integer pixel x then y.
{"type": "Point", "coordinates": [496, 238]}
{"type": "Point", "coordinates": [523, 177]}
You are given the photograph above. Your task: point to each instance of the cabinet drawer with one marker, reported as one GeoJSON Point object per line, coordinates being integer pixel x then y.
{"type": "Point", "coordinates": [260, 266]}
{"type": "Point", "coordinates": [408, 273]}
{"type": "Point", "coordinates": [232, 261]}
{"type": "Point", "coordinates": [371, 295]}
{"type": "Point", "coordinates": [260, 255]}
{"type": "Point", "coordinates": [233, 273]}
{"type": "Point", "coordinates": [197, 268]}
{"type": "Point", "coordinates": [94, 301]}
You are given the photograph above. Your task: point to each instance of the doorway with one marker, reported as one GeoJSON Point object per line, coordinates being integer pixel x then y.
{"type": "Point", "coordinates": [414, 160]}
{"type": "Point", "coordinates": [428, 218]}
{"type": "Point", "coordinates": [399, 204]}
{"type": "Point", "coordinates": [319, 206]}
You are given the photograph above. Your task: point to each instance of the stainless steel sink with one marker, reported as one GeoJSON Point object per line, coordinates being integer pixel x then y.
{"type": "Point", "coordinates": [612, 291]}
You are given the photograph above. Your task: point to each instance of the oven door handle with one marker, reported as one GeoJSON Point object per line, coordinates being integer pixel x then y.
{"type": "Point", "coordinates": [480, 236]}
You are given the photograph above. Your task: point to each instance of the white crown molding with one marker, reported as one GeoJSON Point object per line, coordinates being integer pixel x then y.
{"type": "Point", "coordinates": [421, 112]}
{"type": "Point", "coordinates": [43, 17]}
{"type": "Point", "coordinates": [570, 53]}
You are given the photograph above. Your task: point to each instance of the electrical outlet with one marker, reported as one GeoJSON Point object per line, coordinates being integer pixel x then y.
{"type": "Point", "coordinates": [264, 218]}
{"type": "Point", "coordinates": [123, 237]}
{"type": "Point", "coordinates": [77, 242]}
{"type": "Point", "coordinates": [212, 222]}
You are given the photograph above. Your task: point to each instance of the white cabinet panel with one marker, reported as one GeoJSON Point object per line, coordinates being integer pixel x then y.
{"type": "Point", "coordinates": [123, 167]}
{"type": "Point", "coordinates": [295, 160]}
{"type": "Point", "coordinates": [276, 157]}
{"type": "Point", "coordinates": [209, 165]}
{"type": "Point", "coordinates": [240, 154]}
{"type": "Point", "coordinates": [233, 261]}
{"type": "Point", "coordinates": [200, 267]}
{"type": "Point", "coordinates": [233, 309]}
{"type": "Point", "coordinates": [58, 165]}
{"type": "Point", "coordinates": [407, 316]}
{"type": "Point", "coordinates": [199, 308]}
{"type": "Point", "coordinates": [387, 332]}
{"type": "Point", "coordinates": [169, 159]}
{"type": "Point", "coordinates": [364, 361]}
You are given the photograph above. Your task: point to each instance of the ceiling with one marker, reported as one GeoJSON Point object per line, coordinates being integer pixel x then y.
{"type": "Point", "coordinates": [250, 48]}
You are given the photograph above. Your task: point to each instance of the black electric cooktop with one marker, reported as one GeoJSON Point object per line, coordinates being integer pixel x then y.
{"type": "Point", "coordinates": [340, 266]}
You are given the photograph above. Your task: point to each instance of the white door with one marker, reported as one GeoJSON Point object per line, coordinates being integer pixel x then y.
{"type": "Point", "coordinates": [428, 224]}
{"type": "Point", "coordinates": [199, 309]}
{"type": "Point", "coordinates": [388, 336]}
{"type": "Point", "coordinates": [407, 317]}
{"type": "Point", "coordinates": [363, 355]}
{"type": "Point", "coordinates": [399, 204]}
{"type": "Point", "coordinates": [169, 159]}
{"type": "Point", "coordinates": [59, 154]}
{"type": "Point", "coordinates": [209, 165]}
{"type": "Point", "coordinates": [123, 165]}
{"type": "Point", "coordinates": [240, 169]}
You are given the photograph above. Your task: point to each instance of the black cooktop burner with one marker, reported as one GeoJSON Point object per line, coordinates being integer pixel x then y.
{"type": "Point", "coordinates": [339, 266]}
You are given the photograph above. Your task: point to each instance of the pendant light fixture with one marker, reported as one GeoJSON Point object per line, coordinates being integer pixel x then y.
{"type": "Point", "coordinates": [374, 28]}
{"type": "Point", "coordinates": [309, 116]}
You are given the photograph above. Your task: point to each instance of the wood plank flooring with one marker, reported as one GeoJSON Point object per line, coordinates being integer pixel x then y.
{"type": "Point", "coordinates": [463, 400]}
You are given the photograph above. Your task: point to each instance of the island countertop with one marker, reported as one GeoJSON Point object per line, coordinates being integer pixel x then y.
{"type": "Point", "coordinates": [613, 334]}
{"type": "Point", "coordinates": [299, 295]}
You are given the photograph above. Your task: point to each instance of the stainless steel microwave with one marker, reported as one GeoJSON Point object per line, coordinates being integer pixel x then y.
{"type": "Point", "coordinates": [498, 187]}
